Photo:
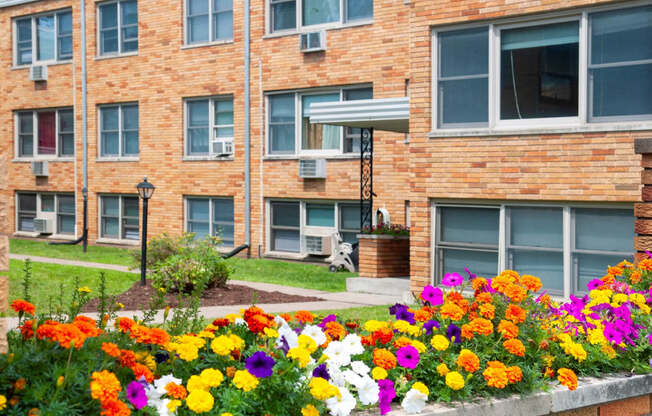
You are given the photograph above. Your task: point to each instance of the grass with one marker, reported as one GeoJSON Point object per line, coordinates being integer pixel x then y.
{"type": "Point", "coordinates": [46, 279]}
{"type": "Point", "coordinates": [95, 254]}
{"type": "Point", "coordinates": [365, 313]}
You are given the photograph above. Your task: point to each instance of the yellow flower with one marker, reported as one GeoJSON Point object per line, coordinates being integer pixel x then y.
{"type": "Point", "coordinates": [238, 342]}
{"type": "Point", "coordinates": [270, 333]}
{"type": "Point", "coordinates": [442, 369]}
{"type": "Point", "coordinates": [244, 380]}
{"type": "Point", "coordinates": [196, 383]}
{"type": "Point", "coordinates": [454, 380]}
{"type": "Point", "coordinates": [379, 373]}
{"type": "Point", "coordinates": [84, 289]}
{"type": "Point", "coordinates": [420, 346]}
{"type": "Point", "coordinates": [373, 325]}
{"type": "Point", "coordinates": [187, 352]}
{"type": "Point", "coordinates": [421, 387]}
{"type": "Point", "coordinates": [222, 345]}
{"type": "Point", "coordinates": [227, 414]}
{"type": "Point", "coordinates": [619, 298]}
{"type": "Point", "coordinates": [309, 410]}
{"type": "Point", "coordinates": [60, 381]}
{"type": "Point", "coordinates": [3, 402]}
{"type": "Point", "coordinates": [307, 343]}
{"type": "Point", "coordinates": [233, 316]}
{"type": "Point", "coordinates": [211, 377]}
{"type": "Point", "coordinates": [206, 334]}
{"type": "Point", "coordinates": [173, 405]}
{"type": "Point", "coordinates": [439, 342]}
{"type": "Point", "coordinates": [300, 354]}
{"type": "Point", "coordinates": [322, 389]}
{"type": "Point", "coordinates": [192, 340]}
{"type": "Point", "coordinates": [609, 351]}
{"type": "Point", "coordinates": [200, 401]}
{"type": "Point", "coordinates": [119, 305]}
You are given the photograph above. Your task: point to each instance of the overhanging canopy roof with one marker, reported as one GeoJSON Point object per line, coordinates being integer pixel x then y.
{"type": "Point", "coordinates": [390, 114]}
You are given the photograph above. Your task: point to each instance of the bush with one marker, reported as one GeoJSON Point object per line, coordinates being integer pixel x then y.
{"type": "Point", "coordinates": [160, 248]}
{"type": "Point", "coordinates": [397, 230]}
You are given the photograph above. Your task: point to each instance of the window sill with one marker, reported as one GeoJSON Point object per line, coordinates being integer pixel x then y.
{"type": "Point", "coordinates": [66, 237]}
{"type": "Point", "coordinates": [285, 255]}
{"type": "Point", "coordinates": [26, 234]}
{"type": "Point", "coordinates": [516, 131]}
{"type": "Point", "coordinates": [52, 63]}
{"type": "Point", "coordinates": [347, 156]}
{"type": "Point", "coordinates": [118, 241]}
{"type": "Point", "coordinates": [316, 28]}
{"type": "Point", "coordinates": [205, 44]}
{"type": "Point", "coordinates": [207, 158]}
{"type": "Point", "coordinates": [115, 56]}
{"type": "Point", "coordinates": [117, 159]}
{"type": "Point", "coordinates": [43, 159]}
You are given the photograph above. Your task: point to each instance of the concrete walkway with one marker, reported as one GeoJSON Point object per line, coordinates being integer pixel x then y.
{"type": "Point", "coordinates": [331, 300]}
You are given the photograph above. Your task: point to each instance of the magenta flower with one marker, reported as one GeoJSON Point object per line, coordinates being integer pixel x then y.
{"type": "Point", "coordinates": [260, 364]}
{"type": "Point", "coordinates": [136, 395]}
{"type": "Point", "coordinates": [649, 338]}
{"type": "Point", "coordinates": [385, 395]}
{"type": "Point", "coordinates": [408, 357]}
{"type": "Point", "coordinates": [611, 334]}
{"type": "Point", "coordinates": [433, 295]}
{"type": "Point", "coordinates": [452, 279]}
{"type": "Point", "coordinates": [594, 284]}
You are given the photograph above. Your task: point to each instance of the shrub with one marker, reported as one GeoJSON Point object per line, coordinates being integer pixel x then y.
{"type": "Point", "coordinates": [396, 230]}
{"type": "Point", "coordinates": [160, 248]}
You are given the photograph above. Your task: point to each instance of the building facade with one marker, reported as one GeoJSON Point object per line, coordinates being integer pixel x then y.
{"type": "Point", "coordinates": [523, 117]}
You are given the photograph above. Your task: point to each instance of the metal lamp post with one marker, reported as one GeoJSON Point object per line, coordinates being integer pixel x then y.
{"type": "Point", "coordinates": [145, 190]}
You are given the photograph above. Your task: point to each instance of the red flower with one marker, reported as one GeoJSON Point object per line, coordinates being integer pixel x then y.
{"type": "Point", "coordinates": [23, 306]}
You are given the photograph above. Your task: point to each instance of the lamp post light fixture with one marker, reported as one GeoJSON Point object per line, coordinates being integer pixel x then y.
{"type": "Point", "coordinates": [145, 190]}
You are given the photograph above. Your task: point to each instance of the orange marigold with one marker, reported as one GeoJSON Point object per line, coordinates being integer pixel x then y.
{"type": "Point", "coordinates": [124, 324]}
{"type": "Point", "coordinates": [127, 358]}
{"type": "Point", "coordinates": [384, 335]}
{"type": "Point", "coordinates": [452, 312]}
{"type": "Point", "coordinates": [516, 293]}
{"type": "Point", "coordinates": [458, 299]}
{"type": "Point", "coordinates": [488, 310]}
{"type": "Point", "coordinates": [635, 277]}
{"type": "Point", "coordinates": [531, 283]}
{"type": "Point", "coordinates": [482, 326]}
{"type": "Point", "coordinates": [141, 370]}
{"type": "Point", "coordinates": [304, 316]}
{"type": "Point", "coordinates": [616, 271]}
{"type": "Point", "coordinates": [89, 329]}
{"type": "Point", "coordinates": [23, 306]}
{"type": "Point", "coordinates": [468, 360]}
{"type": "Point", "coordinates": [608, 278]}
{"type": "Point", "coordinates": [175, 390]}
{"type": "Point", "coordinates": [384, 358]}
{"type": "Point", "coordinates": [111, 349]}
{"type": "Point", "coordinates": [20, 384]}
{"type": "Point", "coordinates": [401, 342]}
{"type": "Point", "coordinates": [545, 300]}
{"type": "Point", "coordinates": [549, 373]}
{"type": "Point", "coordinates": [567, 378]}
{"type": "Point", "coordinates": [467, 331]}
{"type": "Point", "coordinates": [514, 374]}
{"type": "Point", "coordinates": [515, 314]}
{"type": "Point", "coordinates": [496, 377]}
{"type": "Point", "coordinates": [104, 386]}
{"type": "Point", "coordinates": [27, 328]}
{"type": "Point", "coordinates": [258, 323]}
{"type": "Point", "coordinates": [115, 407]}
{"type": "Point", "coordinates": [335, 330]}
{"type": "Point", "coordinates": [421, 315]}
{"type": "Point", "coordinates": [479, 283]}
{"type": "Point", "coordinates": [515, 346]}
{"type": "Point", "coordinates": [484, 297]}
{"type": "Point", "coordinates": [511, 274]}
{"type": "Point", "coordinates": [68, 335]}
{"type": "Point", "coordinates": [500, 283]}
{"type": "Point", "coordinates": [507, 329]}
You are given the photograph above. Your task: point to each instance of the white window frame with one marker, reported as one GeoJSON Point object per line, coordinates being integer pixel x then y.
{"type": "Point", "coordinates": [54, 214]}
{"type": "Point", "coordinates": [33, 17]}
{"type": "Point", "coordinates": [119, 239]}
{"type": "Point", "coordinates": [583, 122]}
{"type": "Point", "coordinates": [298, 122]}
{"type": "Point", "coordinates": [35, 156]}
{"type": "Point", "coordinates": [120, 26]}
{"type": "Point", "coordinates": [210, 41]}
{"type": "Point", "coordinates": [211, 221]}
{"type": "Point", "coordinates": [300, 27]}
{"type": "Point", "coordinates": [120, 155]}
{"type": "Point", "coordinates": [568, 235]}
{"type": "Point", "coordinates": [212, 127]}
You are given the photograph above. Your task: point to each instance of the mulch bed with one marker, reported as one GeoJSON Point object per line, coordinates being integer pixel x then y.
{"type": "Point", "coordinates": [139, 297]}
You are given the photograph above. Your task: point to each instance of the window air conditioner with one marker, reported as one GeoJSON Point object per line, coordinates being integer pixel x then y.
{"type": "Point", "coordinates": [312, 168]}
{"type": "Point", "coordinates": [38, 73]}
{"type": "Point", "coordinates": [40, 168]}
{"type": "Point", "coordinates": [222, 147]}
{"type": "Point", "coordinates": [312, 41]}
{"type": "Point", "coordinates": [43, 225]}
{"type": "Point", "coordinates": [317, 245]}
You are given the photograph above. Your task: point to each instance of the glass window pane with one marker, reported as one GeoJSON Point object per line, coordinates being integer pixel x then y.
{"type": "Point", "coordinates": [66, 224]}
{"type": "Point", "coordinates": [27, 202]}
{"type": "Point", "coordinates": [592, 225]}
{"type": "Point", "coordinates": [109, 117]}
{"type": "Point", "coordinates": [45, 37]}
{"type": "Point", "coordinates": [223, 112]}
{"type": "Point", "coordinates": [196, 7]}
{"type": "Point", "coordinates": [622, 91]}
{"type": "Point", "coordinates": [66, 204]}
{"type": "Point", "coordinates": [621, 35]}
{"type": "Point", "coordinates": [548, 266]}
{"type": "Point", "coordinates": [286, 214]}
{"type": "Point", "coordinates": [464, 52]}
{"type": "Point", "coordinates": [284, 15]}
{"type": "Point", "coordinates": [130, 117]}
{"type": "Point", "coordinates": [282, 138]}
{"type": "Point", "coordinates": [26, 123]}
{"type": "Point", "coordinates": [350, 238]}
{"type": "Point", "coordinates": [110, 227]}
{"type": "Point", "coordinates": [350, 217]}
{"type": "Point", "coordinates": [24, 28]}
{"type": "Point", "coordinates": [286, 240]}
{"type": "Point", "coordinates": [316, 136]}
{"type": "Point", "coordinates": [224, 232]}
{"type": "Point", "coordinates": [65, 23]}
{"type": "Point", "coordinates": [306, 100]}
{"type": "Point", "coordinates": [65, 47]}
{"type": "Point", "coordinates": [198, 141]}
{"type": "Point", "coordinates": [593, 266]}
{"type": "Point", "coordinates": [320, 215]}
{"type": "Point", "coordinates": [111, 206]}
{"type": "Point", "coordinates": [484, 264]}
{"type": "Point", "coordinates": [130, 207]}
{"type": "Point", "coordinates": [109, 41]}
{"type": "Point", "coordinates": [469, 225]}
{"type": "Point", "coordinates": [198, 29]}
{"type": "Point", "coordinates": [66, 144]}
{"type": "Point", "coordinates": [223, 25]}
{"type": "Point", "coordinates": [130, 145]}
{"type": "Point", "coordinates": [26, 222]}
{"type": "Point", "coordinates": [282, 108]}
{"type": "Point", "coordinates": [225, 132]}
{"type": "Point", "coordinates": [320, 11]}
{"type": "Point", "coordinates": [130, 233]}
{"type": "Point", "coordinates": [201, 229]}
{"type": "Point", "coordinates": [464, 101]}
{"type": "Point", "coordinates": [129, 10]}
{"type": "Point", "coordinates": [47, 203]}
{"type": "Point", "coordinates": [47, 136]}
{"type": "Point", "coordinates": [539, 71]}
{"type": "Point", "coordinates": [359, 94]}
{"type": "Point", "coordinates": [198, 113]}
{"type": "Point", "coordinates": [66, 121]}
{"type": "Point", "coordinates": [110, 144]}
{"type": "Point", "coordinates": [359, 9]}
{"type": "Point", "coordinates": [536, 227]}
{"type": "Point", "coordinates": [26, 145]}
{"type": "Point", "coordinates": [108, 16]}
{"type": "Point", "coordinates": [199, 210]}
{"type": "Point", "coordinates": [223, 210]}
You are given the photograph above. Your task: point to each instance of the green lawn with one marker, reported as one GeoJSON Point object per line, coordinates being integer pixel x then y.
{"type": "Point", "coordinates": [46, 279]}
{"type": "Point", "coordinates": [365, 313]}
{"type": "Point", "coordinates": [95, 254]}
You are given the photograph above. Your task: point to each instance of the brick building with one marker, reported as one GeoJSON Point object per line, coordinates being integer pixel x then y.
{"type": "Point", "coordinates": [523, 117]}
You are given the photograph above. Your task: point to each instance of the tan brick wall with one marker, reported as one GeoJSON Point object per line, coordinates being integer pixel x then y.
{"type": "Point", "coordinates": [4, 254]}
{"type": "Point", "coordinates": [380, 257]}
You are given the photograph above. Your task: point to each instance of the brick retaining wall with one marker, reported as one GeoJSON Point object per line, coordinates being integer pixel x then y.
{"type": "Point", "coordinates": [384, 256]}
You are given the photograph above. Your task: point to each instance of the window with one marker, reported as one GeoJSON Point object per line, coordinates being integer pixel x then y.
{"type": "Point", "coordinates": [208, 121]}
{"type": "Point", "coordinates": [26, 212]}
{"type": "Point", "coordinates": [290, 129]}
{"type": "Point", "coordinates": [320, 215]}
{"type": "Point", "coordinates": [119, 130]}
{"type": "Point", "coordinates": [211, 216]}
{"type": "Point", "coordinates": [349, 224]}
{"type": "Point", "coordinates": [48, 133]}
{"type": "Point", "coordinates": [284, 14]}
{"type": "Point", "coordinates": [65, 214]}
{"type": "Point", "coordinates": [209, 20]}
{"type": "Point", "coordinates": [43, 38]}
{"type": "Point", "coordinates": [536, 241]}
{"type": "Point", "coordinates": [546, 72]}
{"type": "Point", "coordinates": [286, 227]}
{"type": "Point", "coordinates": [118, 27]}
{"type": "Point", "coordinates": [119, 217]}
{"type": "Point", "coordinates": [59, 208]}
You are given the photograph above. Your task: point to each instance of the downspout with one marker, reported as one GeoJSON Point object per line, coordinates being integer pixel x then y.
{"type": "Point", "coordinates": [84, 123]}
{"type": "Point", "coordinates": [247, 126]}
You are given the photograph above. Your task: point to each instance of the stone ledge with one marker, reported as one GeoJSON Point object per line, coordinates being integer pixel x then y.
{"type": "Point", "coordinates": [590, 392]}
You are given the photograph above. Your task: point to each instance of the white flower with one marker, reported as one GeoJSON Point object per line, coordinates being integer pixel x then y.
{"type": "Point", "coordinates": [314, 332]}
{"type": "Point", "coordinates": [352, 378]}
{"type": "Point", "coordinates": [343, 405]}
{"type": "Point", "coordinates": [414, 401]}
{"type": "Point", "coordinates": [280, 321]}
{"type": "Point", "coordinates": [160, 386]}
{"type": "Point", "coordinates": [290, 336]}
{"type": "Point", "coordinates": [360, 367]}
{"type": "Point", "coordinates": [353, 344]}
{"type": "Point", "coordinates": [368, 390]}
{"type": "Point", "coordinates": [240, 321]}
{"type": "Point", "coordinates": [337, 353]}
{"type": "Point", "coordinates": [337, 377]}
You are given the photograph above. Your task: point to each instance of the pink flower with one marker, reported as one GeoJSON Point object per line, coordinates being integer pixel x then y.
{"type": "Point", "coordinates": [452, 279]}
{"type": "Point", "coordinates": [408, 357]}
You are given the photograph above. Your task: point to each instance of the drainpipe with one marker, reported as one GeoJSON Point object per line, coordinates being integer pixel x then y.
{"type": "Point", "coordinates": [247, 126]}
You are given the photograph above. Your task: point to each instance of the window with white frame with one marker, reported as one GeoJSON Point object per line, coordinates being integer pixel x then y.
{"type": "Point", "coordinates": [208, 21]}
{"type": "Point", "coordinates": [119, 130]}
{"type": "Point", "coordinates": [585, 67]}
{"type": "Point", "coordinates": [119, 217]}
{"type": "Point", "coordinates": [290, 130]}
{"type": "Point", "coordinates": [45, 133]}
{"type": "Point", "coordinates": [210, 216]}
{"type": "Point", "coordinates": [534, 240]}
{"type": "Point", "coordinates": [291, 14]}
{"type": "Point", "coordinates": [118, 27]}
{"type": "Point", "coordinates": [59, 208]}
{"type": "Point", "coordinates": [43, 38]}
{"type": "Point", "coordinates": [209, 122]}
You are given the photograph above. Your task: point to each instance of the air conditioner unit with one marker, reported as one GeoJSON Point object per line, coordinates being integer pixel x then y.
{"type": "Point", "coordinates": [43, 225]}
{"type": "Point", "coordinates": [312, 41]}
{"type": "Point", "coordinates": [317, 245]}
{"type": "Point", "coordinates": [312, 168]}
{"type": "Point", "coordinates": [222, 147]}
{"type": "Point", "coordinates": [40, 168]}
{"type": "Point", "coordinates": [38, 73]}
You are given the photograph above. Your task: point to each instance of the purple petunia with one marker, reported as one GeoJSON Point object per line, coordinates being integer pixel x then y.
{"type": "Point", "coordinates": [408, 357]}
{"type": "Point", "coordinates": [594, 284]}
{"type": "Point", "coordinates": [321, 371]}
{"type": "Point", "coordinates": [260, 364]}
{"type": "Point", "coordinates": [454, 333]}
{"type": "Point", "coordinates": [405, 315]}
{"type": "Point", "coordinates": [429, 325]}
{"type": "Point", "coordinates": [386, 394]}
{"type": "Point", "coordinates": [393, 310]}
{"type": "Point", "coordinates": [452, 279]}
{"type": "Point", "coordinates": [329, 318]}
{"type": "Point", "coordinates": [433, 295]}
{"type": "Point", "coordinates": [471, 275]}
{"type": "Point", "coordinates": [136, 395]}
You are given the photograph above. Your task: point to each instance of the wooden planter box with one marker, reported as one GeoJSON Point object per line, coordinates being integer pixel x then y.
{"type": "Point", "coordinates": [384, 256]}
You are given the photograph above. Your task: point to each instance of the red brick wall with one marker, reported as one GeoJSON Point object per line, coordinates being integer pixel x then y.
{"type": "Point", "coordinates": [384, 257]}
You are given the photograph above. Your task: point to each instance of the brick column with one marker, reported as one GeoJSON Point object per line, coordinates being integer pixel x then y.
{"type": "Point", "coordinates": [643, 210]}
{"type": "Point", "coordinates": [4, 252]}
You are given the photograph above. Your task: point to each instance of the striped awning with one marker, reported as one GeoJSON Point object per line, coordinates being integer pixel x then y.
{"type": "Point", "coordinates": [389, 114]}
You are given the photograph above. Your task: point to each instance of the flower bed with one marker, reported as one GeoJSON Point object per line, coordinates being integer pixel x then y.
{"type": "Point", "coordinates": [508, 338]}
